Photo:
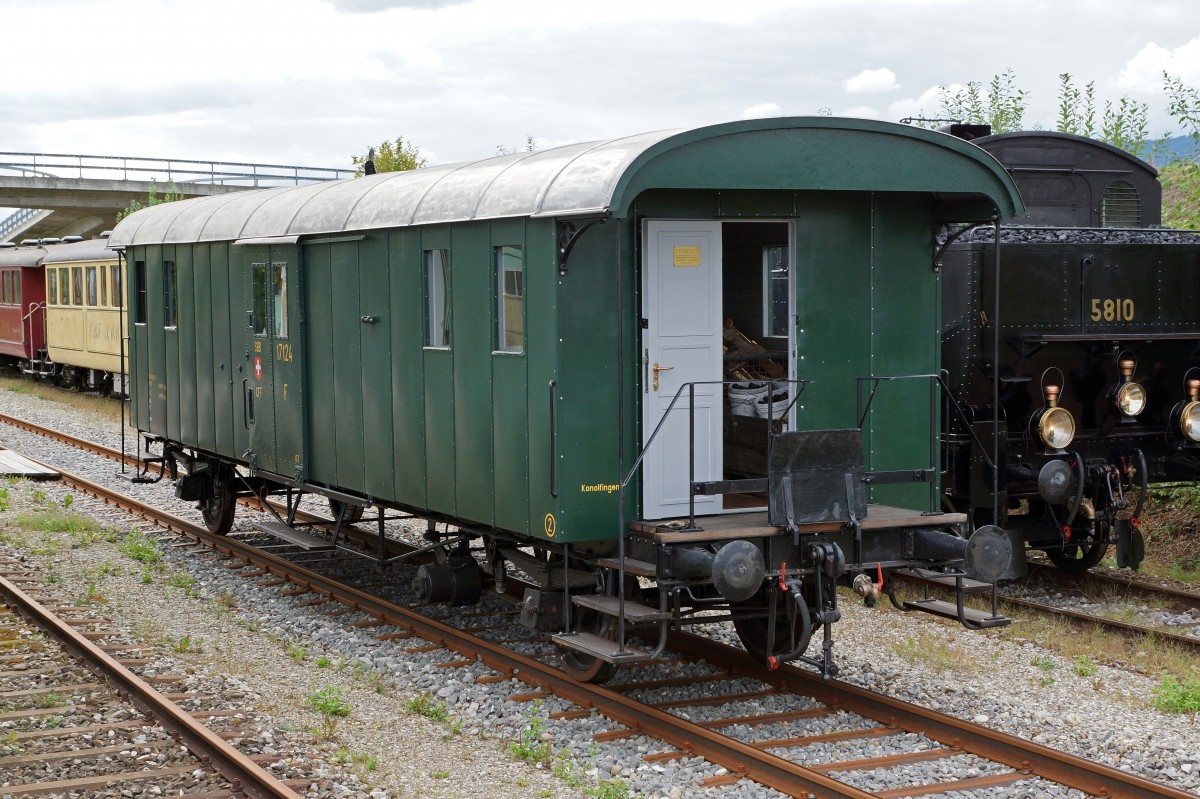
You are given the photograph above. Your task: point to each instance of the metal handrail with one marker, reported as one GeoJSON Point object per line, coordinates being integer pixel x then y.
{"type": "Point", "coordinates": [173, 169]}
{"type": "Point", "coordinates": [637, 463]}
{"type": "Point", "coordinates": [16, 220]}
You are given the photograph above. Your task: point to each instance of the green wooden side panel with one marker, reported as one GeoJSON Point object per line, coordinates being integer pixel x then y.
{"type": "Point", "coordinates": [156, 374]}
{"type": "Point", "coordinates": [239, 344]}
{"type": "Point", "coordinates": [541, 327]}
{"type": "Point", "coordinates": [905, 321]}
{"type": "Point", "coordinates": [586, 411]}
{"type": "Point", "coordinates": [510, 397]}
{"type": "Point", "coordinates": [833, 273]}
{"type": "Point", "coordinates": [376, 339]}
{"type": "Point", "coordinates": [204, 368]}
{"type": "Point", "coordinates": [285, 341]}
{"type": "Point", "coordinates": [439, 388]}
{"type": "Point", "coordinates": [318, 329]}
{"type": "Point", "coordinates": [224, 332]}
{"type": "Point", "coordinates": [472, 308]}
{"type": "Point", "coordinates": [439, 430]}
{"type": "Point", "coordinates": [406, 314]}
{"type": "Point", "coordinates": [187, 388]}
{"type": "Point", "coordinates": [347, 365]}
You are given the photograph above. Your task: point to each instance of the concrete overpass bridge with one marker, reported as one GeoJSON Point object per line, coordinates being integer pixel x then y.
{"type": "Point", "coordinates": [80, 195]}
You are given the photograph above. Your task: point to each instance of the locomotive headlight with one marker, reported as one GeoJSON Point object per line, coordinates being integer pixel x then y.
{"type": "Point", "coordinates": [1056, 427]}
{"type": "Point", "coordinates": [1189, 421]}
{"type": "Point", "coordinates": [1131, 399]}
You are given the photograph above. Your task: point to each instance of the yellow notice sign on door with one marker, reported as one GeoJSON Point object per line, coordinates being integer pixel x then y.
{"type": "Point", "coordinates": [685, 256]}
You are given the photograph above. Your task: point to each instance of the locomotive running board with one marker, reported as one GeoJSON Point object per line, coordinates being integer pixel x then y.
{"type": "Point", "coordinates": [601, 648]}
{"type": "Point", "coordinates": [299, 538]}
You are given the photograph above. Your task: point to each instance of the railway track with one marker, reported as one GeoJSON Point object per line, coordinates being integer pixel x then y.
{"type": "Point", "coordinates": [62, 692]}
{"type": "Point", "coordinates": [778, 728]}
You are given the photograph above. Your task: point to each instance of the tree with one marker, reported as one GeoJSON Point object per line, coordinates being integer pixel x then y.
{"type": "Point", "coordinates": [1123, 124]}
{"type": "Point", "coordinates": [152, 199]}
{"type": "Point", "coordinates": [1181, 177]}
{"type": "Point", "coordinates": [1000, 105]}
{"type": "Point", "coordinates": [392, 156]}
{"type": "Point", "coordinates": [529, 146]}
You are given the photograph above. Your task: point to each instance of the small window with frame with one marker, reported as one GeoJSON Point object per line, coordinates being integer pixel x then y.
{"type": "Point", "coordinates": [118, 299]}
{"type": "Point", "coordinates": [170, 295]}
{"type": "Point", "coordinates": [6, 292]}
{"type": "Point", "coordinates": [102, 273]}
{"type": "Point", "coordinates": [92, 292]}
{"type": "Point", "coordinates": [437, 298]}
{"type": "Point", "coordinates": [510, 299]}
{"type": "Point", "coordinates": [775, 292]}
{"type": "Point", "coordinates": [279, 296]}
{"type": "Point", "coordinates": [17, 286]}
{"type": "Point", "coordinates": [52, 286]}
{"type": "Point", "coordinates": [139, 277]}
{"type": "Point", "coordinates": [77, 286]}
{"type": "Point", "coordinates": [259, 277]}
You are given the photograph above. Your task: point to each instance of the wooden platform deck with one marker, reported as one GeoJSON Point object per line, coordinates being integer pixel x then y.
{"type": "Point", "coordinates": [13, 464]}
{"type": "Point", "coordinates": [754, 525]}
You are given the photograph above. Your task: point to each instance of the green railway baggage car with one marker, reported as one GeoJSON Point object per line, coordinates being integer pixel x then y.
{"type": "Point", "coordinates": [667, 373]}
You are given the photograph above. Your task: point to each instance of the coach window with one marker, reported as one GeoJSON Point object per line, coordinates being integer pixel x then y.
{"type": "Point", "coordinates": [139, 277]}
{"type": "Point", "coordinates": [52, 286]}
{"type": "Point", "coordinates": [77, 286]}
{"type": "Point", "coordinates": [170, 295]}
{"type": "Point", "coordinates": [6, 292]}
{"type": "Point", "coordinates": [17, 287]}
{"type": "Point", "coordinates": [775, 292]}
{"type": "Point", "coordinates": [103, 274]}
{"type": "Point", "coordinates": [510, 296]}
{"type": "Point", "coordinates": [279, 299]}
{"type": "Point", "coordinates": [258, 277]}
{"type": "Point", "coordinates": [92, 297]}
{"type": "Point", "coordinates": [118, 299]}
{"type": "Point", "coordinates": [437, 298]}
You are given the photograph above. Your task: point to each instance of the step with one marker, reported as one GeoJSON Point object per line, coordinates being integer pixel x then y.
{"type": "Point", "coordinates": [948, 610]}
{"type": "Point", "coordinates": [599, 647]}
{"type": "Point", "coordinates": [609, 606]}
{"type": "Point", "coordinates": [306, 541]}
{"type": "Point", "coordinates": [638, 568]}
{"type": "Point", "coordinates": [923, 577]}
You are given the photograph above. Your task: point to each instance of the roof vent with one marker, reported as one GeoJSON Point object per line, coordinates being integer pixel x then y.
{"type": "Point", "coordinates": [7, 245]}
{"type": "Point", "coordinates": [1120, 205]}
{"type": "Point", "coordinates": [71, 239]}
{"type": "Point", "coordinates": [106, 234]}
{"type": "Point", "coordinates": [49, 241]}
{"type": "Point", "coordinates": [29, 243]}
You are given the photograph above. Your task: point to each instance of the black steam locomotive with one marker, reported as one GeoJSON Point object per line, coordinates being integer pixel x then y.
{"type": "Point", "coordinates": [1081, 325]}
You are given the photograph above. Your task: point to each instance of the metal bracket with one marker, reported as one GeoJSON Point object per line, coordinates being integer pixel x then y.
{"type": "Point", "coordinates": [568, 234]}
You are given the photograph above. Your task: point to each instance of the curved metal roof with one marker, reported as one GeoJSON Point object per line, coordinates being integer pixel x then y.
{"type": "Point", "coordinates": [578, 179]}
{"type": "Point", "coordinates": [86, 250]}
{"type": "Point", "coordinates": [22, 256]}
{"type": "Point", "coordinates": [1022, 136]}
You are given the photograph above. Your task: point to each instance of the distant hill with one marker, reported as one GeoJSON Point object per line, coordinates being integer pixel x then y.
{"type": "Point", "coordinates": [1164, 151]}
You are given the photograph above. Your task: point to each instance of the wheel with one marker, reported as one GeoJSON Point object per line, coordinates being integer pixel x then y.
{"type": "Point", "coordinates": [217, 509]}
{"type": "Point", "coordinates": [753, 630]}
{"type": "Point", "coordinates": [586, 668]}
{"type": "Point", "coordinates": [354, 513]}
{"type": "Point", "coordinates": [1085, 549]}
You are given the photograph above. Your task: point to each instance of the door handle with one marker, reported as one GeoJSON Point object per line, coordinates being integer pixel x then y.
{"type": "Point", "coordinates": [658, 369]}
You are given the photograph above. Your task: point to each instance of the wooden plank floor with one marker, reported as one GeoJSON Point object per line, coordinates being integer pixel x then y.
{"type": "Point", "coordinates": [13, 464]}
{"type": "Point", "coordinates": [754, 525]}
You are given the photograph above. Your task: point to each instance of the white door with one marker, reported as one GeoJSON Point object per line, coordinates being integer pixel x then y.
{"type": "Point", "coordinates": [681, 344]}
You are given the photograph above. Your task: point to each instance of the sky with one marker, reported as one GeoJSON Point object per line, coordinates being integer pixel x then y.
{"type": "Point", "coordinates": [312, 82]}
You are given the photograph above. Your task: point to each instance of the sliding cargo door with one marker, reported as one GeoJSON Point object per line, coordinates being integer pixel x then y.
{"type": "Point", "coordinates": [273, 386]}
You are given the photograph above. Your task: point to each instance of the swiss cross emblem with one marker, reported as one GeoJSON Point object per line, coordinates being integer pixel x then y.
{"type": "Point", "coordinates": [258, 368]}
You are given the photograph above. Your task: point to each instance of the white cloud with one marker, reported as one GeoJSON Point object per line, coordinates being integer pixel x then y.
{"type": "Point", "coordinates": [872, 81]}
{"type": "Point", "coordinates": [859, 112]}
{"type": "Point", "coordinates": [928, 104]}
{"type": "Point", "coordinates": [1144, 71]}
{"type": "Point", "coordinates": [761, 110]}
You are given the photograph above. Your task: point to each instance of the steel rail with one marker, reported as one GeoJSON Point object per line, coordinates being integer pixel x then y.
{"type": "Point", "coordinates": [738, 758]}
{"type": "Point", "coordinates": [1060, 767]}
{"type": "Point", "coordinates": [1131, 585]}
{"type": "Point", "coordinates": [243, 773]}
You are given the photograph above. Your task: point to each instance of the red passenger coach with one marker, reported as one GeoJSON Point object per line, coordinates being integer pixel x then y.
{"type": "Point", "coordinates": [22, 301]}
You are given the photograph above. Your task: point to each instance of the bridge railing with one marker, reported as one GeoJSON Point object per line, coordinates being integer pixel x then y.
{"type": "Point", "coordinates": [177, 170]}
{"type": "Point", "coordinates": [17, 221]}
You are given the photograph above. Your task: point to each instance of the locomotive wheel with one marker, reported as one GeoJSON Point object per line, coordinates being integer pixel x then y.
{"type": "Point", "coordinates": [354, 513]}
{"type": "Point", "coordinates": [217, 509]}
{"type": "Point", "coordinates": [1082, 552]}
{"type": "Point", "coordinates": [586, 668]}
{"type": "Point", "coordinates": [753, 630]}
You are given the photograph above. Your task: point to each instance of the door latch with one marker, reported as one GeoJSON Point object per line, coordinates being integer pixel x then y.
{"type": "Point", "coordinates": [658, 369]}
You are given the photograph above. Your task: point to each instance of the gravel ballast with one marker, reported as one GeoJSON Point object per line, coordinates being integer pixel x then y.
{"type": "Point", "coordinates": [279, 652]}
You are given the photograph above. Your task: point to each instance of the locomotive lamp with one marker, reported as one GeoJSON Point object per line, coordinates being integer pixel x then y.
{"type": "Point", "coordinates": [1055, 425]}
{"type": "Point", "coordinates": [1129, 397]}
{"type": "Point", "coordinates": [1185, 417]}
